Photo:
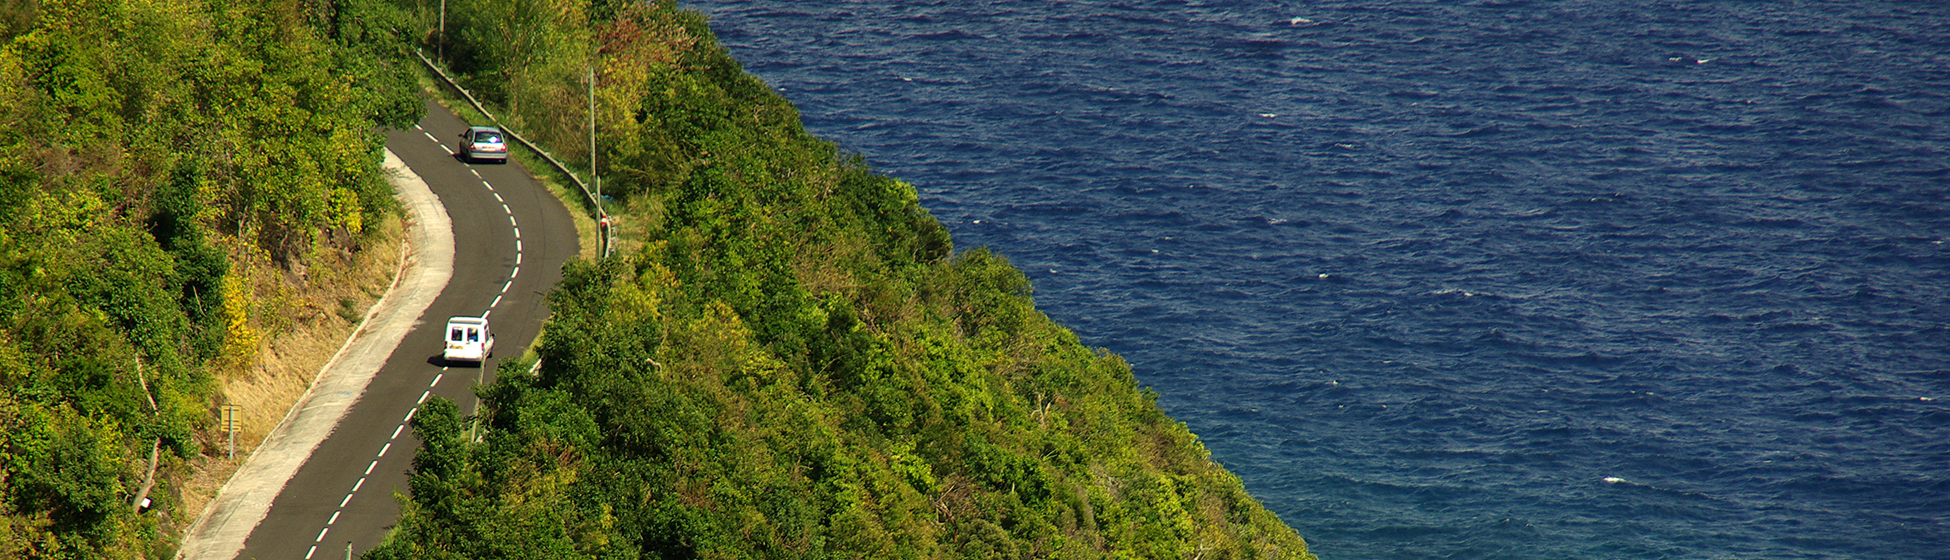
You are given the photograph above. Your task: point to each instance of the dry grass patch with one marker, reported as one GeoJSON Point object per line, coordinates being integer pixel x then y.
{"type": "Point", "coordinates": [305, 314]}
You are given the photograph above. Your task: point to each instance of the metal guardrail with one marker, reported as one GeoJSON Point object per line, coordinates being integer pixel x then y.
{"type": "Point", "coordinates": [602, 216]}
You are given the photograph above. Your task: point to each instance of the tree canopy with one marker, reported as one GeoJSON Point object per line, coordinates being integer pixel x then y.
{"type": "Point", "coordinates": [147, 148]}
{"type": "Point", "coordinates": [797, 363]}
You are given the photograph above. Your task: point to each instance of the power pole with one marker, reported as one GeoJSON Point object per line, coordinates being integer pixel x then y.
{"type": "Point", "coordinates": [602, 216]}
{"type": "Point", "coordinates": [592, 142]}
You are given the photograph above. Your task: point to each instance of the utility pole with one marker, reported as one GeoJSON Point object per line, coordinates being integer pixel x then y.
{"type": "Point", "coordinates": [592, 142]}
{"type": "Point", "coordinates": [440, 49]}
{"type": "Point", "coordinates": [602, 216]}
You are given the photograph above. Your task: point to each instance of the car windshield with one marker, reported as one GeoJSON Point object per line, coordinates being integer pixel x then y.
{"type": "Point", "coordinates": [488, 138]}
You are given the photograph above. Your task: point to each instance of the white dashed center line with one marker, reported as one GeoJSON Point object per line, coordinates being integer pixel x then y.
{"type": "Point", "coordinates": [397, 430]}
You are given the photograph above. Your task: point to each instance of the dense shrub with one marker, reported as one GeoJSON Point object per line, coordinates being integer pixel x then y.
{"type": "Point", "coordinates": [142, 146]}
{"type": "Point", "coordinates": [796, 364]}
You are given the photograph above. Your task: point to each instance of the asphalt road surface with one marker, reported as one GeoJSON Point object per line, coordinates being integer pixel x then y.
{"type": "Point", "coordinates": [511, 237]}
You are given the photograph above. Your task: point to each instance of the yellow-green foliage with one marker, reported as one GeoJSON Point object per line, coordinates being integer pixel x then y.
{"type": "Point", "coordinates": [143, 142]}
{"type": "Point", "coordinates": [797, 364]}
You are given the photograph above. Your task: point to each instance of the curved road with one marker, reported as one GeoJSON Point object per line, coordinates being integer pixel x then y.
{"type": "Point", "coordinates": [511, 237]}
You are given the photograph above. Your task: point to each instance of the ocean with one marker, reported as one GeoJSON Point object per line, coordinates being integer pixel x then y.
{"type": "Point", "coordinates": [1460, 279]}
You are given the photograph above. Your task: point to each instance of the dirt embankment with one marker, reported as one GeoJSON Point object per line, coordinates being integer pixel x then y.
{"type": "Point", "coordinates": [301, 315]}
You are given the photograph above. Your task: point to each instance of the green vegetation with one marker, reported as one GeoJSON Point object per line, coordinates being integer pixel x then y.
{"type": "Point", "coordinates": [153, 155]}
{"type": "Point", "coordinates": [795, 363]}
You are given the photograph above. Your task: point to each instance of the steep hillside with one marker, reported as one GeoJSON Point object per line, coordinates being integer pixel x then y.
{"type": "Point", "coordinates": [175, 178]}
{"type": "Point", "coordinates": [793, 361]}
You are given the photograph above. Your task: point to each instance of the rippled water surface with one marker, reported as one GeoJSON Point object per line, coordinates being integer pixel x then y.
{"type": "Point", "coordinates": [1498, 279]}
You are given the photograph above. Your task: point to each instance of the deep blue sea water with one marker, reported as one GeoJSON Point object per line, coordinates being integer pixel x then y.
{"type": "Point", "coordinates": [1445, 279]}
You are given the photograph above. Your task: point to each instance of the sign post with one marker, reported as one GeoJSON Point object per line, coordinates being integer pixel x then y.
{"type": "Point", "coordinates": [230, 425]}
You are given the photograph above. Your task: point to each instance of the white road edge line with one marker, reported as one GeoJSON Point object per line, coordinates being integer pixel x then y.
{"type": "Point", "coordinates": [243, 502]}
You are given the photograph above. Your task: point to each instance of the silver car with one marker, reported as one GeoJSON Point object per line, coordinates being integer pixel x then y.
{"type": "Point", "coordinates": [483, 143]}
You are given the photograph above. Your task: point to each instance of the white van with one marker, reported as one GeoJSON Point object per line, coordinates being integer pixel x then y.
{"type": "Point", "coordinates": [468, 340]}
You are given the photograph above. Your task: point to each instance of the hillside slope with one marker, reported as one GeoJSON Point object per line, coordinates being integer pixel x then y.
{"type": "Point", "coordinates": [793, 361]}
{"type": "Point", "coordinates": [176, 179]}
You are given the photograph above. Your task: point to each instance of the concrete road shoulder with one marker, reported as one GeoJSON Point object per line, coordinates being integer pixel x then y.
{"type": "Point", "coordinates": [220, 531]}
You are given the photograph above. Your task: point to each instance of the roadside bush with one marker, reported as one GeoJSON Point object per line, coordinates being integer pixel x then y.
{"type": "Point", "coordinates": [797, 363]}
{"type": "Point", "coordinates": [142, 146]}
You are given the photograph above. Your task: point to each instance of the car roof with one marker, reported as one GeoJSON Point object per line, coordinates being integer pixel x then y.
{"type": "Point", "coordinates": [483, 129]}
{"type": "Point", "coordinates": [467, 321]}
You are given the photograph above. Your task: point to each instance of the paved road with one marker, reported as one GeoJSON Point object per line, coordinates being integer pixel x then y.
{"type": "Point", "coordinates": [511, 237]}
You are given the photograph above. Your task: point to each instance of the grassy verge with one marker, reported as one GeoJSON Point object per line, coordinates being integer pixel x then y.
{"type": "Point", "coordinates": [561, 186]}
